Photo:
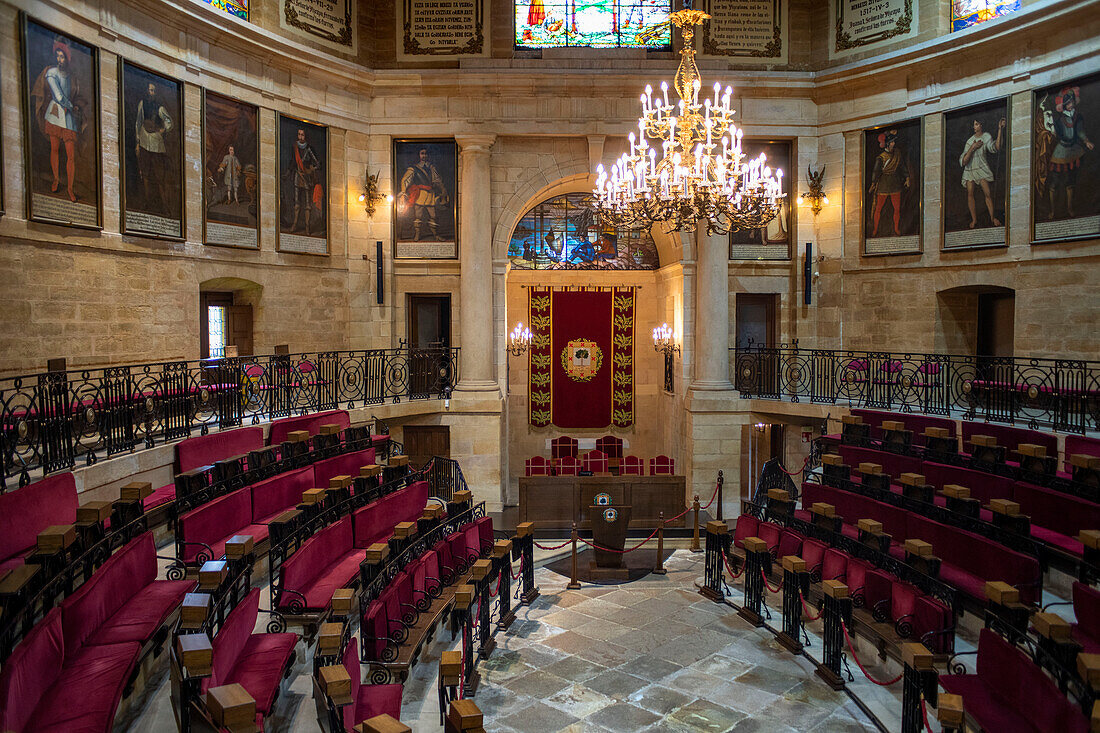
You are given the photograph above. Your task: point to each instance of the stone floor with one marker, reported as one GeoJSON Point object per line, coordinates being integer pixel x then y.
{"type": "Point", "coordinates": [651, 655]}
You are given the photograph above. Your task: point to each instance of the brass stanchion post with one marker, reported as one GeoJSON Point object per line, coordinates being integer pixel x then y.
{"type": "Point", "coordinates": [695, 533]}
{"type": "Point", "coordinates": [573, 584]}
{"type": "Point", "coordinates": [660, 569]}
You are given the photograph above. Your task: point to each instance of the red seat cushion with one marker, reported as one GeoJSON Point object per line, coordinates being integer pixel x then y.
{"type": "Point", "coordinates": [990, 712]}
{"type": "Point", "coordinates": [337, 574]}
{"type": "Point", "coordinates": [310, 423]}
{"type": "Point", "coordinates": [770, 534]}
{"type": "Point", "coordinates": [163, 495]}
{"type": "Point", "coordinates": [88, 691]}
{"type": "Point", "coordinates": [215, 522]}
{"type": "Point", "coordinates": [369, 700]}
{"type": "Point", "coordinates": [321, 558]}
{"type": "Point", "coordinates": [30, 671]}
{"type": "Point", "coordinates": [142, 614]}
{"type": "Point", "coordinates": [260, 665]}
{"type": "Point", "coordinates": [347, 464]}
{"type": "Point", "coordinates": [834, 564]}
{"type": "Point", "coordinates": [273, 496]}
{"type": "Point", "coordinates": [790, 543]}
{"type": "Point", "coordinates": [747, 526]}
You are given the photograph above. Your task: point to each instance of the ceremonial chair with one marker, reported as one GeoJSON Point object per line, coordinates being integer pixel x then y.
{"type": "Point", "coordinates": [595, 461]}
{"type": "Point", "coordinates": [613, 447]}
{"type": "Point", "coordinates": [632, 466]}
{"type": "Point", "coordinates": [538, 466]}
{"type": "Point", "coordinates": [561, 447]}
{"type": "Point", "coordinates": [662, 466]}
{"type": "Point", "coordinates": [567, 466]}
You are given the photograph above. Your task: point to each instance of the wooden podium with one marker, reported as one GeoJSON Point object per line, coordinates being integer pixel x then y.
{"type": "Point", "coordinates": [609, 525]}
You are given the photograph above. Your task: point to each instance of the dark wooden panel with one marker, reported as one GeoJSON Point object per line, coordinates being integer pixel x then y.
{"type": "Point", "coordinates": [555, 502]}
{"type": "Point", "coordinates": [650, 495]}
{"type": "Point", "coordinates": [547, 501]}
{"type": "Point", "coordinates": [424, 441]}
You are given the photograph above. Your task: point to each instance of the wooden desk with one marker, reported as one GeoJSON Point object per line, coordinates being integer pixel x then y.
{"type": "Point", "coordinates": [555, 502]}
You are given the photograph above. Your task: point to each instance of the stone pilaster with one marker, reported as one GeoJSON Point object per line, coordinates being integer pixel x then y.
{"type": "Point", "coordinates": [478, 366]}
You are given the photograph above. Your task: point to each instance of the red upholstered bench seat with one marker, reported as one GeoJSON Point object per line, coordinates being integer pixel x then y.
{"type": "Point", "coordinates": [330, 559]}
{"type": "Point", "coordinates": [27, 511]}
{"type": "Point", "coordinates": [1086, 606]}
{"type": "Point", "coordinates": [271, 497]}
{"type": "Point", "coordinates": [215, 522]}
{"type": "Point", "coordinates": [347, 464]}
{"type": "Point", "coordinates": [1009, 437]}
{"type": "Point", "coordinates": [367, 700]}
{"type": "Point", "coordinates": [892, 464]}
{"type": "Point", "coordinates": [257, 662]}
{"type": "Point", "coordinates": [122, 601]}
{"type": "Point", "coordinates": [310, 423]}
{"type": "Point", "coordinates": [159, 497]}
{"type": "Point", "coordinates": [1011, 693]}
{"type": "Point", "coordinates": [46, 687]}
{"type": "Point", "coordinates": [204, 450]}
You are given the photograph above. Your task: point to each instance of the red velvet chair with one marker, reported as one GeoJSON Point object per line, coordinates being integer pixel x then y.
{"type": "Point", "coordinates": [632, 466]}
{"type": "Point", "coordinates": [613, 447]}
{"type": "Point", "coordinates": [567, 466]}
{"type": "Point", "coordinates": [562, 447]}
{"type": "Point", "coordinates": [747, 526]}
{"type": "Point", "coordinates": [662, 466]}
{"type": "Point", "coordinates": [367, 701]}
{"type": "Point", "coordinates": [595, 461]}
{"type": "Point", "coordinates": [257, 662]}
{"type": "Point", "coordinates": [813, 552]}
{"type": "Point", "coordinates": [538, 466]}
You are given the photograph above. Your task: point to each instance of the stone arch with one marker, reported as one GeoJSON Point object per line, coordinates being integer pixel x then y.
{"type": "Point", "coordinates": [576, 178]}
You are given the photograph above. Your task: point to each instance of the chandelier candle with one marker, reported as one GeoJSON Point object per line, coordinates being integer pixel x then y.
{"type": "Point", "coordinates": [692, 184]}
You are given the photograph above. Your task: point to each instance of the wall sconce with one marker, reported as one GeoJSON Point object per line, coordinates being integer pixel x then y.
{"type": "Point", "coordinates": [664, 342]}
{"type": "Point", "coordinates": [519, 340]}
{"type": "Point", "coordinates": [815, 197]}
{"type": "Point", "coordinates": [371, 196]}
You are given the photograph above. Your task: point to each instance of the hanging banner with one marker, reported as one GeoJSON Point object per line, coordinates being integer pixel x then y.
{"type": "Point", "coordinates": [581, 359]}
{"type": "Point", "coordinates": [442, 28]}
{"type": "Point", "coordinates": [332, 23]}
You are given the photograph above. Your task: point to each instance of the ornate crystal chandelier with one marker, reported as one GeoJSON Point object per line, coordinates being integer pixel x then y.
{"type": "Point", "coordinates": [699, 173]}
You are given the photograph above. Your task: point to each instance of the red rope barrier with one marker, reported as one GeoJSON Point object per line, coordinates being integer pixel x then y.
{"type": "Point", "coordinates": [924, 713]}
{"type": "Point", "coordinates": [806, 608]}
{"type": "Point", "coordinates": [556, 547]}
{"type": "Point", "coordinates": [795, 473]}
{"type": "Point", "coordinates": [712, 498]}
{"type": "Point", "coordinates": [733, 575]}
{"type": "Point", "coordinates": [620, 552]}
{"type": "Point", "coordinates": [767, 585]}
{"type": "Point", "coordinates": [862, 669]}
{"type": "Point", "coordinates": [515, 575]}
{"type": "Point", "coordinates": [495, 593]}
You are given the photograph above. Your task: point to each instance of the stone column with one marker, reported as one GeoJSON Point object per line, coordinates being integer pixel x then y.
{"type": "Point", "coordinates": [477, 365]}
{"type": "Point", "coordinates": [712, 313]}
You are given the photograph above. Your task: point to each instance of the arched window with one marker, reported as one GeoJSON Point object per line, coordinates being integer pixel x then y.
{"type": "Point", "coordinates": [564, 233]}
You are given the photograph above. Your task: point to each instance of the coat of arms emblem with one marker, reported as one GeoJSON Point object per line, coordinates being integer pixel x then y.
{"type": "Point", "coordinates": [581, 359]}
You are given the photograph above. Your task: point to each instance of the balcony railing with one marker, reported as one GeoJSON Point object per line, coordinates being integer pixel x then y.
{"type": "Point", "coordinates": [49, 421]}
{"type": "Point", "coordinates": [1060, 394]}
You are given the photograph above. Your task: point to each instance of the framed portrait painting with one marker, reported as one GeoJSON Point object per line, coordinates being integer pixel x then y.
{"type": "Point", "coordinates": [302, 201]}
{"type": "Point", "coordinates": [976, 146]}
{"type": "Point", "coordinates": [1065, 165]}
{"type": "Point", "coordinates": [152, 152]}
{"type": "Point", "coordinates": [892, 164]}
{"type": "Point", "coordinates": [773, 241]}
{"type": "Point", "coordinates": [230, 172]}
{"type": "Point", "coordinates": [425, 202]}
{"type": "Point", "coordinates": [60, 127]}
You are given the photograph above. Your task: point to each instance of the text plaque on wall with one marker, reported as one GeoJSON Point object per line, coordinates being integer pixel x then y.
{"type": "Point", "coordinates": [442, 28]}
{"type": "Point", "coordinates": [860, 23]}
{"type": "Point", "coordinates": [747, 30]}
{"type": "Point", "coordinates": [332, 23]}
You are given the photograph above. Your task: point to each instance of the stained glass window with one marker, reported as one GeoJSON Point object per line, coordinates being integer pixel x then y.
{"type": "Point", "coordinates": [215, 324]}
{"type": "Point", "coordinates": [236, 8]}
{"type": "Point", "coordinates": [564, 233]}
{"type": "Point", "coordinates": [593, 23]}
{"type": "Point", "coordinates": [965, 13]}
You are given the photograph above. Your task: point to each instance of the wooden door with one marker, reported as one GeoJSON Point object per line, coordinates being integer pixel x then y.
{"type": "Point", "coordinates": [240, 329]}
{"type": "Point", "coordinates": [429, 328]}
{"type": "Point", "coordinates": [424, 441]}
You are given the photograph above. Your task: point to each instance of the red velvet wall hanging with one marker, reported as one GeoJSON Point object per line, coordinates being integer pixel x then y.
{"type": "Point", "coordinates": [581, 360]}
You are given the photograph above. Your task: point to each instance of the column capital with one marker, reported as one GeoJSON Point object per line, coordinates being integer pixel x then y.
{"type": "Point", "coordinates": [475, 143]}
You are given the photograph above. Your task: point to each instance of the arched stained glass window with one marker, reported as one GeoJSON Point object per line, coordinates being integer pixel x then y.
{"type": "Point", "coordinates": [564, 233]}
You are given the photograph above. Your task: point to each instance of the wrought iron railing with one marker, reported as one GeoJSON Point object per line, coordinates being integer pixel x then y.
{"type": "Point", "coordinates": [1060, 394]}
{"type": "Point", "coordinates": [48, 421]}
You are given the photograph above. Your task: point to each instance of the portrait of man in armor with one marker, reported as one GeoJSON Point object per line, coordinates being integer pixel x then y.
{"type": "Point", "coordinates": [424, 197]}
